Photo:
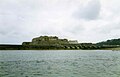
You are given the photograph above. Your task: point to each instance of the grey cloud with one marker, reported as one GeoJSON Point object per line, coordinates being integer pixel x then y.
{"type": "Point", "coordinates": [19, 5]}
{"type": "Point", "coordinates": [90, 11]}
{"type": "Point", "coordinates": [14, 14]}
{"type": "Point", "coordinates": [76, 29]}
{"type": "Point", "coordinates": [3, 32]}
{"type": "Point", "coordinates": [109, 28]}
{"type": "Point", "coordinates": [108, 31]}
{"type": "Point", "coordinates": [21, 20]}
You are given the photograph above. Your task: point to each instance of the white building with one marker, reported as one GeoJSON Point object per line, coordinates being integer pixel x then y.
{"type": "Point", "coordinates": [73, 41]}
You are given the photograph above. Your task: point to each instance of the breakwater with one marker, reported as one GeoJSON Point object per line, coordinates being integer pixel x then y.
{"type": "Point", "coordinates": [53, 47]}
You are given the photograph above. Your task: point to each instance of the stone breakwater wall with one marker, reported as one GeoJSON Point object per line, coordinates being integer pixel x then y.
{"type": "Point", "coordinates": [52, 47]}
{"type": "Point", "coordinates": [11, 47]}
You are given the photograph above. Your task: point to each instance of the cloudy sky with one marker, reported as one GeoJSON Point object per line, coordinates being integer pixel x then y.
{"type": "Point", "coordinates": [83, 20]}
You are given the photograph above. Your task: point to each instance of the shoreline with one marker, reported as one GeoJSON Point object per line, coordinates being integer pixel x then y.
{"type": "Point", "coordinates": [62, 47]}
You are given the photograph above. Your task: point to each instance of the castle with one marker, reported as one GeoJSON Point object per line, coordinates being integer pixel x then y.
{"type": "Point", "coordinates": [49, 40]}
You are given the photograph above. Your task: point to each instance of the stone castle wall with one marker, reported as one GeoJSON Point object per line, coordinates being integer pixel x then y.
{"type": "Point", "coordinates": [46, 40]}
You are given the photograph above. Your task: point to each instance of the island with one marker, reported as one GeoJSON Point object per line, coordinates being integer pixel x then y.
{"type": "Point", "coordinates": [55, 43]}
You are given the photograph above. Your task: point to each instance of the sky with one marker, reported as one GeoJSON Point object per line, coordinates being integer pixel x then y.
{"type": "Point", "coordinates": [82, 20]}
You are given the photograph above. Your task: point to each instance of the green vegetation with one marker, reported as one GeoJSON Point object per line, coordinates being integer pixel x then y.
{"type": "Point", "coordinates": [110, 42]}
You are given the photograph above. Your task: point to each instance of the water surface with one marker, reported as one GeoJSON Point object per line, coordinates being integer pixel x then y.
{"type": "Point", "coordinates": [60, 63]}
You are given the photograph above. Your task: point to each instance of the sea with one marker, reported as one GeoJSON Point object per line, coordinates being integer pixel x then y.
{"type": "Point", "coordinates": [59, 63]}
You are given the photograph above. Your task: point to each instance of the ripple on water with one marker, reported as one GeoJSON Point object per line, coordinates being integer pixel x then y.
{"type": "Point", "coordinates": [77, 64]}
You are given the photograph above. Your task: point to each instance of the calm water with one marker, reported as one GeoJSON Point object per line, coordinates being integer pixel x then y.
{"type": "Point", "coordinates": [60, 63]}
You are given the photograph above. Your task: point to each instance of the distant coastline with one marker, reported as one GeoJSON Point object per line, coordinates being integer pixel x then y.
{"type": "Point", "coordinates": [54, 43]}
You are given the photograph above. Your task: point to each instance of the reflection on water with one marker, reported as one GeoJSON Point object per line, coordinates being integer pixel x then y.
{"type": "Point", "coordinates": [61, 63]}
